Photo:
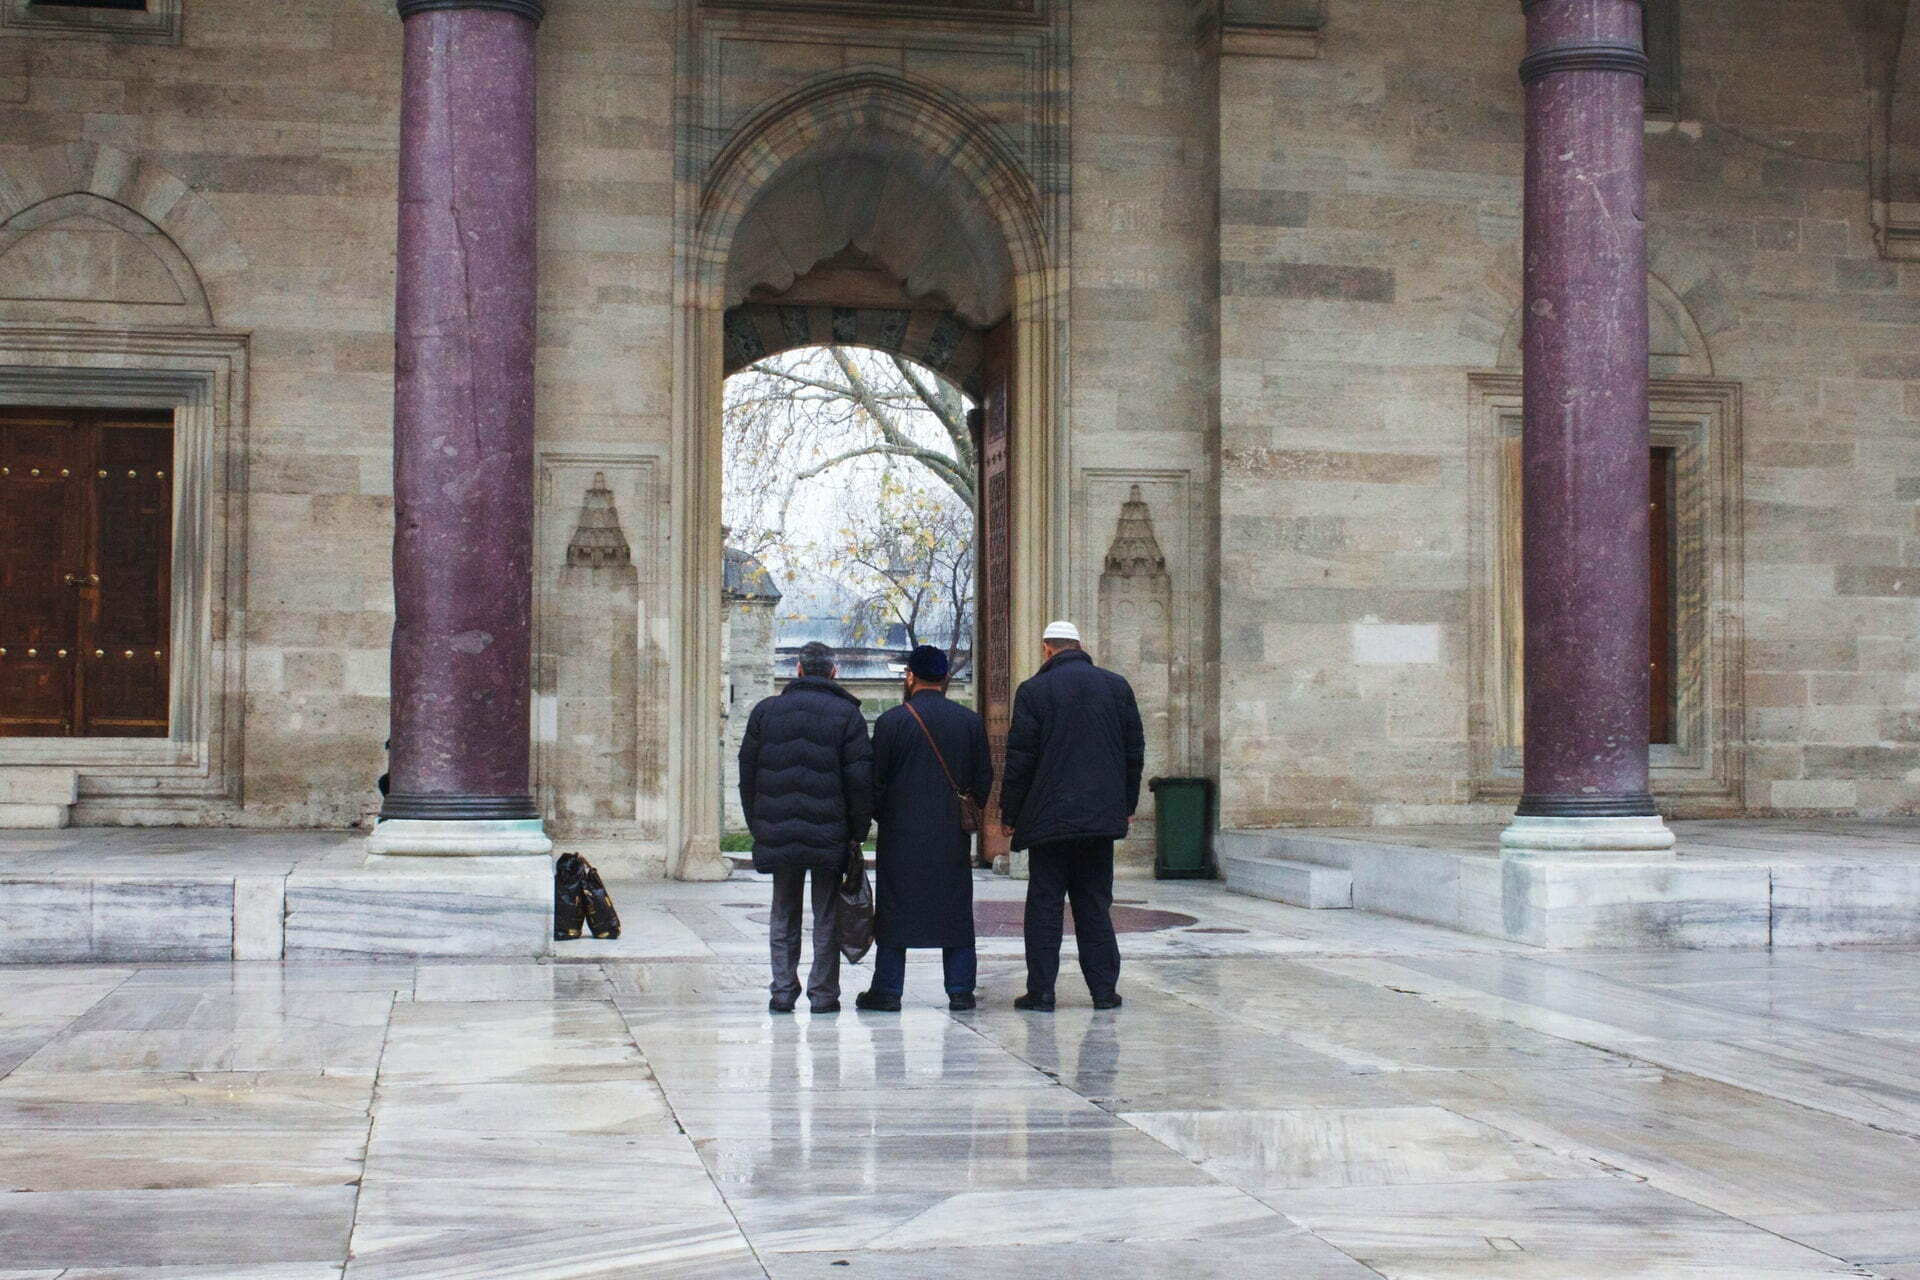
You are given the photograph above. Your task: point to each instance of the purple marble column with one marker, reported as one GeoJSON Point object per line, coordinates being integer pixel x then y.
{"type": "Point", "coordinates": [1586, 412]}
{"type": "Point", "coordinates": [463, 420]}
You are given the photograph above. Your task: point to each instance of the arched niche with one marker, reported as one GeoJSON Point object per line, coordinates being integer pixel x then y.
{"type": "Point", "coordinates": [82, 258]}
{"type": "Point", "coordinates": [105, 188]}
{"type": "Point", "coordinates": [910, 178]}
{"type": "Point", "coordinates": [1677, 347]}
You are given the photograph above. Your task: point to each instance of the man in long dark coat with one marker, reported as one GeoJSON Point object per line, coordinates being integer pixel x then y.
{"type": "Point", "coordinates": [1075, 752]}
{"type": "Point", "coordinates": [924, 861]}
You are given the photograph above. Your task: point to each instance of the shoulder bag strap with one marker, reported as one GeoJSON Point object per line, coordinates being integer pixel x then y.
{"type": "Point", "coordinates": [936, 751]}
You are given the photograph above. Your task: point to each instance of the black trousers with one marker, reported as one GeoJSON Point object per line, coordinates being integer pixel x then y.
{"type": "Point", "coordinates": [1080, 871]}
{"type": "Point", "coordinates": [783, 936]}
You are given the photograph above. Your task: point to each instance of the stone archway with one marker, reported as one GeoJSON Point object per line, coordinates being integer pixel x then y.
{"type": "Point", "coordinates": [799, 183]}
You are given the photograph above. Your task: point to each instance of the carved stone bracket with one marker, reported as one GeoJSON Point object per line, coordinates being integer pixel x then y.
{"type": "Point", "coordinates": [1262, 28]}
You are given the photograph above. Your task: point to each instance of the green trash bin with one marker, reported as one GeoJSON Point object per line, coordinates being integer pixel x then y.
{"type": "Point", "coordinates": [1182, 828]}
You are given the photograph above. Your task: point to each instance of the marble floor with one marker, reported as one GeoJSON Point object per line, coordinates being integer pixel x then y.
{"type": "Point", "coordinates": [1306, 1095]}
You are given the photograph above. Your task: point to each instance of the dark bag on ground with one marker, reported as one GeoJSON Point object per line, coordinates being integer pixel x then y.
{"type": "Point", "coordinates": [579, 895]}
{"type": "Point", "coordinates": [853, 910]}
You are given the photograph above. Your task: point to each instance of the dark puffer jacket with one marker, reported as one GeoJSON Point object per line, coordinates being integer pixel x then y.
{"type": "Point", "coordinates": [1075, 752]}
{"type": "Point", "coordinates": [806, 776]}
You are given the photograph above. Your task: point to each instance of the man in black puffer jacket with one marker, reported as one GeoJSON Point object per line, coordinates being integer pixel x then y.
{"type": "Point", "coordinates": [806, 787]}
{"type": "Point", "coordinates": [1075, 752]}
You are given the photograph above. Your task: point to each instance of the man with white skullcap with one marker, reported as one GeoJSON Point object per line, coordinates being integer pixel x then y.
{"type": "Point", "coordinates": [1075, 753]}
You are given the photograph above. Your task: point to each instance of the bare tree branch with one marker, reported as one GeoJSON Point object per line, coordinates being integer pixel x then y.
{"type": "Point", "coordinates": [944, 403]}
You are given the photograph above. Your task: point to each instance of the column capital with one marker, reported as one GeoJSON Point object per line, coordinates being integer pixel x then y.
{"type": "Point", "coordinates": [1528, 6]}
{"type": "Point", "coordinates": [532, 10]}
{"type": "Point", "coordinates": [1586, 55]}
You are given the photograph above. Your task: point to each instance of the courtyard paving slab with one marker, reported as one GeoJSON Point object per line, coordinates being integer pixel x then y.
{"type": "Point", "coordinates": [1313, 1095]}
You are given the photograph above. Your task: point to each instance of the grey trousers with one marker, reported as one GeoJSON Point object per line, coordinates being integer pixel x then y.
{"type": "Point", "coordinates": [823, 983]}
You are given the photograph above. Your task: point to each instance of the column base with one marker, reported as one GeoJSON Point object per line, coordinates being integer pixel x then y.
{"type": "Point", "coordinates": [1640, 839]}
{"type": "Point", "coordinates": [459, 838]}
{"type": "Point", "coordinates": [705, 865]}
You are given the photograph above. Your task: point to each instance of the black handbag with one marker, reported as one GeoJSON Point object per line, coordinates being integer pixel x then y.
{"type": "Point", "coordinates": [853, 909]}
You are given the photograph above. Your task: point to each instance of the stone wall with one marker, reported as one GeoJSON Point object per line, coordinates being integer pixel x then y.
{"type": "Point", "coordinates": [280, 132]}
{"type": "Point", "coordinates": [1281, 273]}
{"type": "Point", "coordinates": [1370, 211]}
{"type": "Point", "coordinates": [1142, 384]}
{"type": "Point", "coordinates": [283, 133]}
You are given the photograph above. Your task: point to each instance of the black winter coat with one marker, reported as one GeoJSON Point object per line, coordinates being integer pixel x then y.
{"type": "Point", "coordinates": [1075, 752]}
{"type": "Point", "coordinates": [924, 863]}
{"type": "Point", "coordinates": [806, 777]}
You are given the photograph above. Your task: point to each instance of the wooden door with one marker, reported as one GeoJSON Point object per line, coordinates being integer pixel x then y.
{"type": "Point", "coordinates": [993, 640]}
{"type": "Point", "coordinates": [86, 522]}
{"type": "Point", "coordinates": [1661, 640]}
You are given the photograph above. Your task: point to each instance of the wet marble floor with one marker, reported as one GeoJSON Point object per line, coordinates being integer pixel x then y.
{"type": "Point", "coordinates": [1290, 1094]}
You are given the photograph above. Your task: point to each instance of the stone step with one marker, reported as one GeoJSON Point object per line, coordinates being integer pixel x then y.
{"type": "Point", "coordinates": [34, 785]}
{"type": "Point", "coordinates": [1298, 884]}
{"type": "Point", "coordinates": [33, 817]}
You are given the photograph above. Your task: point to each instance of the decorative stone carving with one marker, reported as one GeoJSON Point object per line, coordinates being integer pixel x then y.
{"type": "Point", "coordinates": [598, 540]}
{"type": "Point", "coordinates": [594, 667]}
{"type": "Point", "coordinates": [1135, 552]}
{"type": "Point", "coordinates": [600, 667]}
{"type": "Point", "coordinates": [1136, 631]}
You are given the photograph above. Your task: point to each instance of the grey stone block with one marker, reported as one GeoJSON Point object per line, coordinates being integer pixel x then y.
{"type": "Point", "coordinates": [1298, 884]}
{"type": "Point", "coordinates": [33, 817]}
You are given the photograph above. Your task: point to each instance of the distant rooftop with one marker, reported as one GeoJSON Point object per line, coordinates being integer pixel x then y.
{"type": "Point", "coordinates": [860, 663]}
{"type": "Point", "coordinates": [745, 578]}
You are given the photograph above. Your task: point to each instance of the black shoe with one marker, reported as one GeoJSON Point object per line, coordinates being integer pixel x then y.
{"type": "Point", "coordinates": [961, 1003]}
{"type": "Point", "coordinates": [877, 1002]}
{"type": "Point", "coordinates": [1107, 1002]}
{"type": "Point", "coordinates": [831, 1006]}
{"type": "Point", "coordinates": [601, 917]}
{"type": "Point", "coordinates": [1034, 1004]}
{"type": "Point", "coordinates": [569, 907]}
{"type": "Point", "coordinates": [779, 1006]}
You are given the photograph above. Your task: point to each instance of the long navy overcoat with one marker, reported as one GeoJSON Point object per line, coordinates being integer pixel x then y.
{"type": "Point", "coordinates": [924, 862]}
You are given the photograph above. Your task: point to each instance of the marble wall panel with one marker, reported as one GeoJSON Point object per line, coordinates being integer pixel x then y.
{"type": "Point", "coordinates": [134, 920]}
{"type": "Point", "coordinates": [411, 906]}
{"type": "Point", "coordinates": [46, 920]}
{"type": "Point", "coordinates": [1816, 904]}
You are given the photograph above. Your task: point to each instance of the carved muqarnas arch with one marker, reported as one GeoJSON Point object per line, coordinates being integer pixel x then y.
{"type": "Point", "coordinates": [881, 173]}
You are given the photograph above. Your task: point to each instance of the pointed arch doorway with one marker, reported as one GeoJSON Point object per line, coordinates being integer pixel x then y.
{"type": "Point", "coordinates": [870, 211]}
